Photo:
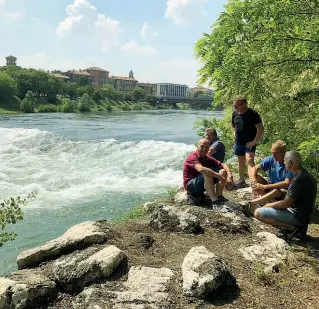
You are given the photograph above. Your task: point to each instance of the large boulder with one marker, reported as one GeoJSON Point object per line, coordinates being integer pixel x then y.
{"type": "Point", "coordinates": [203, 273]}
{"type": "Point", "coordinates": [173, 219]}
{"type": "Point", "coordinates": [270, 250]}
{"type": "Point", "coordinates": [76, 270]}
{"type": "Point", "coordinates": [145, 287]}
{"type": "Point", "coordinates": [77, 237]}
{"type": "Point", "coordinates": [26, 289]}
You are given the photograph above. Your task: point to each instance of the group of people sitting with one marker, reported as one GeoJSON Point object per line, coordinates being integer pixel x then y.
{"type": "Point", "coordinates": [286, 200]}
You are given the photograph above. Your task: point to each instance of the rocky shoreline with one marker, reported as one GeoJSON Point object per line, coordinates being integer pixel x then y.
{"type": "Point", "coordinates": [176, 256]}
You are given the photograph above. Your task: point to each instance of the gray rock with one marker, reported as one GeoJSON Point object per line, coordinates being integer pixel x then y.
{"type": "Point", "coordinates": [270, 250]}
{"type": "Point", "coordinates": [203, 273]}
{"type": "Point", "coordinates": [229, 222]}
{"type": "Point", "coordinates": [169, 218]}
{"type": "Point", "coordinates": [26, 289]}
{"type": "Point", "coordinates": [146, 288]}
{"type": "Point", "coordinates": [150, 206]}
{"type": "Point", "coordinates": [181, 197]}
{"type": "Point", "coordinates": [73, 272]}
{"type": "Point", "coordinates": [77, 237]}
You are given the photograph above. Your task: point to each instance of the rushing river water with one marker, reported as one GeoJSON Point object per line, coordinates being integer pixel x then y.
{"type": "Point", "coordinates": [88, 167]}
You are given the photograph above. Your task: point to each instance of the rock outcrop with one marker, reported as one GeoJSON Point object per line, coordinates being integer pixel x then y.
{"type": "Point", "coordinates": [26, 289]}
{"type": "Point", "coordinates": [170, 218]}
{"type": "Point", "coordinates": [77, 237]}
{"type": "Point", "coordinates": [204, 273]}
{"type": "Point", "coordinates": [270, 250]}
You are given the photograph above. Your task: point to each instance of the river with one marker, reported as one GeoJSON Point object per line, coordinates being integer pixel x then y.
{"type": "Point", "coordinates": [88, 167]}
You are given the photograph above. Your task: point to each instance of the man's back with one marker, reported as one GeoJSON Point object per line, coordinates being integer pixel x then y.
{"type": "Point", "coordinates": [303, 189]}
{"type": "Point", "coordinates": [220, 150]}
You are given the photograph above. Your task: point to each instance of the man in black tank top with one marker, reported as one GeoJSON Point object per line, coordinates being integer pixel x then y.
{"type": "Point", "coordinates": [248, 130]}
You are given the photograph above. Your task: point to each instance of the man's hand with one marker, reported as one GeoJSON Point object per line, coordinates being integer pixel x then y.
{"type": "Point", "coordinates": [221, 178]}
{"type": "Point", "coordinates": [251, 144]}
{"type": "Point", "coordinates": [211, 150]}
{"type": "Point", "coordinates": [230, 180]}
{"type": "Point", "coordinates": [258, 186]}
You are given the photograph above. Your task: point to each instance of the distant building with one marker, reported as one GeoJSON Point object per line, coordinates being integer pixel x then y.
{"type": "Point", "coordinates": [123, 84]}
{"type": "Point", "coordinates": [76, 75]}
{"type": "Point", "coordinates": [99, 77]}
{"type": "Point", "coordinates": [202, 91]}
{"type": "Point", "coordinates": [60, 75]}
{"type": "Point", "coordinates": [11, 61]}
{"type": "Point", "coordinates": [148, 87]}
{"type": "Point", "coordinates": [171, 91]}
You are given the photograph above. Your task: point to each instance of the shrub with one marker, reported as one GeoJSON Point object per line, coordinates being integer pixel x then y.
{"type": "Point", "coordinates": [27, 105]}
{"type": "Point", "coordinates": [85, 103]}
{"type": "Point", "coordinates": [49, 108]}
{"type": "Point", "coordinates": [69, 107]}
{"type": "Point", "coordinates": [126, 107]}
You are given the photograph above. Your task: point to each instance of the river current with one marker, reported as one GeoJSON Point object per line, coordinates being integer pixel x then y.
{"type": "Point", "coordinates": [88, 167]}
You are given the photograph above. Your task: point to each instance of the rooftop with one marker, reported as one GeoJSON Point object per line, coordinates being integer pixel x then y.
{"type": "Point", "coordinates": [11, 57]}
{"type": "Point", "coordinates": [96, 69]}
{"type": "Point", "coordinates": [124, 78]}
{"type": "Point", "coordinates": [78, 72]}
{"type": "Point", "coordinates": [60, 76]}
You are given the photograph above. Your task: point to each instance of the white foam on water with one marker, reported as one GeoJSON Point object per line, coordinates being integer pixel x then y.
{"type": "Point", "coordinates": [63, 171]}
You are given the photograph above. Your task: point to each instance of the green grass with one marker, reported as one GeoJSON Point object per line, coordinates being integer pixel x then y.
{"type": "Point", "coordinates": [10, 106]}
{"type": "Point", "coordinates": [134, 213]}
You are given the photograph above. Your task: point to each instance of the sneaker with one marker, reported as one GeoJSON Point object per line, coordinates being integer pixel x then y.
{"type": "Point", "coordinates": [240, 183]}
{"type": "Point", "coordinates": [298, 232]}
{"type": "Point", "coordinates": [222, 199]}
{"type": "Point", "coordinates": [195, 200]}
{"type": "Point", "coordinates": [217, 205]}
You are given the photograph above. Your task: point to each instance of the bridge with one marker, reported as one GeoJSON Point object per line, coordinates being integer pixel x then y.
{"type": "Point", "coordinates": [193, 102]}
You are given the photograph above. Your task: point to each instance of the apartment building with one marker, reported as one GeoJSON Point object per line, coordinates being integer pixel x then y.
{"type": "Point", "coordinates": [75, 75]}
{"type": "Point", "coordinates": [148, 87]}
{"type": "Point", "coordinates": [99, 77]}
{"type": "Point", "coordinates": [199, 90]}
{"type": "Point", "coordinates": [123, 84]}
{"type": "Point", "coordinates": [171, 90]}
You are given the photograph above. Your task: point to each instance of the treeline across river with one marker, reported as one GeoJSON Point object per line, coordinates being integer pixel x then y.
{"type": "Point", "coordinates": [30, 90]}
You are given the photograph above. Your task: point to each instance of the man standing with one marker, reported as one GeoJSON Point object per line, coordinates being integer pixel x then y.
{"type": "Point", "coordinates": [248, 130]}
{"type": "Point", "coordinates": [217, 148]}
{"type": "Point", "coordinates": [199, 177]}
{"type": "Point", "coordinates": [294, 211]}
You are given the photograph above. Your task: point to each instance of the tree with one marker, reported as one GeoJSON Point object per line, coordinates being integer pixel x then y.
{"type": "Point", "coordinates": [8, 86]}
{"type": "Point", "coordinates": [138, 93]}
{"type": "Point", "coordinates": [86, 89]}
{"type": "Point", "coordinates": [110, 92]}
{"type": "Point", "coordinates": [71, 90]}
{"type": "Point", "coordinates": [55, 87]}
{"type": "Point", "coordinates": [11, 213]}
{"type": "Point", "coordinates": [28, 103]}
{"type": "Point", "coordinates": [84, 81]}
{"type": "Point", "coordinates": [85, 103]}
{"type": "Point", "coordinates": [267, 51]}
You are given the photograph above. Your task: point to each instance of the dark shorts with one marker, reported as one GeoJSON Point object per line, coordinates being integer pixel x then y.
{"type": "Point", "coordinates": [196, 186]}
{"type": "Point", "coordinates": [241, 150]}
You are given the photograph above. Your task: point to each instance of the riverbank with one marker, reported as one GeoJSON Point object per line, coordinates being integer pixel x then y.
{"type": "Point", "coordinates": [146, 262]}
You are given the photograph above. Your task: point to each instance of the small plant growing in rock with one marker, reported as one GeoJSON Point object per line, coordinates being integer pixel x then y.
{"type": "Point", "coordinates": [11, 213]}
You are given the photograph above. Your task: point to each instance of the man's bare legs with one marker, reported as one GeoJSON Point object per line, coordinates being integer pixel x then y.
{"type": "Point", "coordinates": [220, 185]}
{"type": "Point", "coordinates": [266, 198]}
{"type": "Point", "coordinates": [273, 222]}
{"type": "Point", "coordinates": [250, 159]}
{"type": "Point", "coordinates": [210, 187]}
{"type": "Point", "coordinates": [241, 167]}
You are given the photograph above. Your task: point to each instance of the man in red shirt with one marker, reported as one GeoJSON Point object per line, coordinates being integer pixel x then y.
{"type": "Point", "coordinates": [198, 174]}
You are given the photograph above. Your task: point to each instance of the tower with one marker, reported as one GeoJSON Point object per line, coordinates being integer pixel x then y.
{"type": "Point", "coordinates": [11, 61]}
{"type": "Point", "coordinates": [131, 74]}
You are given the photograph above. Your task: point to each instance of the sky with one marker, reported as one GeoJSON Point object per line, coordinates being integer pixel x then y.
{"type": "Point", "coordinates": [154, 38]}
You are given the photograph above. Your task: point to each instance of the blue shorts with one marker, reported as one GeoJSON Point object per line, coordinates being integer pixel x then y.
{"type": "Point", "coordinates": [196, 185]}
{"type": "Point", "coordinates": [283, 215]}
{"type": "Point", "coordinates": [241, 150]}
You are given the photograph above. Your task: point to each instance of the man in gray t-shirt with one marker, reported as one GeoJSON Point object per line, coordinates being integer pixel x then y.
{"type": "Point", "coordinates": [296, 208]}
{"type": "Point", "coordinates": [217, 148]}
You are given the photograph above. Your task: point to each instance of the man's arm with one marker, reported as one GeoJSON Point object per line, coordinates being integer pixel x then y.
{"type": "Point", "coordinates": [207, 171]}
{"type": "Point", "coordinates": [279, 185]}
{"type": "Point", "coordinates": [228, 171]}
{"type": "Point", "coordinates": [254, 172]}
{"type": "Point", "coordinates": [259, 134]}
{"type": "Point", "coordinates": [284, 204]}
